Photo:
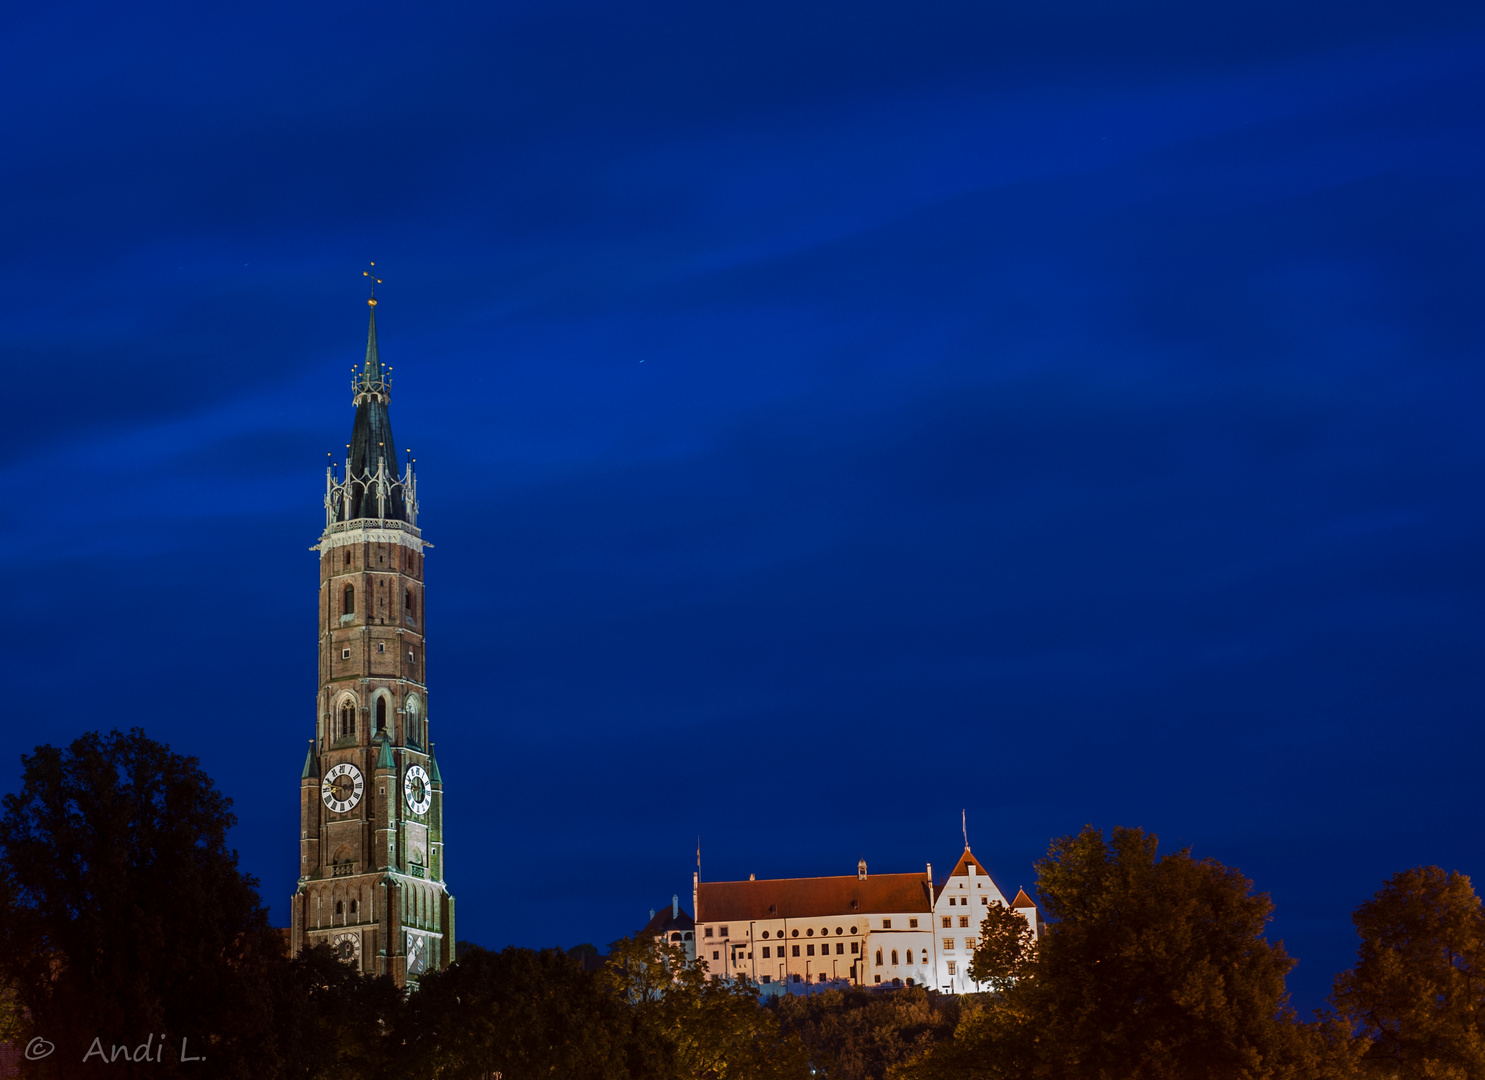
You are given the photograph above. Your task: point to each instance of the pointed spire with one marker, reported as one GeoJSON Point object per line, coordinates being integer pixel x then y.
{"type": "Point", "coordinates": [433, 774]}
{"type": "Point", "coordinates": [371, 371]}
{"type": "Point", "coordinates": [384, 759]}
{"type": "Point", "coordinates": [311, 767]}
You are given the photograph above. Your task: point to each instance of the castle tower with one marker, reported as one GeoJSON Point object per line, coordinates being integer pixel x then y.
{"type": "Point", "coordinates": [371, 867]}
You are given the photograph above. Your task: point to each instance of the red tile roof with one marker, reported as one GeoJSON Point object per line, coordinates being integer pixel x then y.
{"type": "Point", "coordinates": [807, 898]}
{"type": "Point", "coordinates": [1022, 900]}
{"type": "Point", "coordinates": [961, 868]}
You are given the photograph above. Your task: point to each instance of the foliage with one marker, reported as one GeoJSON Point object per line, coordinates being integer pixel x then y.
{"type": "Point", "coordinates": [1151, 968]}
{"type": "Point", "coordinates": [333, 1023]}
{"type": "Point", "coordinates": [525, 1013]}
{"type": "Point", "coordinates": [717, 1026]}
{"type": "Point", "coordinates": [122, 912]}
{"type": "Point", "coordinates": [1006, 948]}
{"type": "Point", "coordinates": [1416, 996]}
{"type": "Point", "coordinates": [858, 1034]}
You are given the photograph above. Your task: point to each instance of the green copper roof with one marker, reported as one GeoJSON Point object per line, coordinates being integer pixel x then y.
{"type": "Point", "coordinates": [384, 759]}
{"type": "Point", "coordinates": [371, 371]}
{"type": "Point", "coordinates": [433, 767]}
{"type": "Point", "coordinates": [311, 768]}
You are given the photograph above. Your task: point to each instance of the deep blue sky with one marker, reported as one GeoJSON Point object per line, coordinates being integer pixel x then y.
{"type": "Point", "coordinates": [830, 416]}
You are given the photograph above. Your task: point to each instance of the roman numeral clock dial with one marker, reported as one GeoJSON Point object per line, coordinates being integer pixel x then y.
{"type": "Point", "coordinates": [342, 787]}
{"type": "Point", "coordinates": [417, 789]}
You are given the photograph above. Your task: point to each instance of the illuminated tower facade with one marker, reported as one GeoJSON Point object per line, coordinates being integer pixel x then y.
{"type": "Point", "coordinates": [371, 858]}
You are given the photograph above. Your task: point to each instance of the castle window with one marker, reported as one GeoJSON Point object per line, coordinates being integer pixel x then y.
{"type": "Point", "coordinates": [350, 600]}
{"type": "Point", "coordinates": [716, 954]}
{"type": "Point", "coordinates": [810, 932]}
{"type": "Point", "coordinates": [964, 920]}
{"type": "Point", "coordinates": [765, 952]}
{"type": "Point", "coordinates": [345, 654]}
{"type": "Point", "coordinates": [794, 933]}
{"type": "Point", "coordinates": [407, 600]}
{"type": "Point", "coordinates": [952, 901]}
{"type": "Point", "coordinates": [708, 931]}
{"type": "Point", "coordinates": [948, 944]}
{"type": "Point", "coordinates": [948, 922]}
{"type": "Point", "coordinates": [910, 956]}
{"type": "Point", "coordinates": [879, 958]}
{"type": "Point", "coordinates": [724, 931]}
{"type": "Point", "coordinates": [809, 950]}
{"type": "Point", "coordinates": [984, 901]}
{"type": "Point", "coordinates": [339, 908]}
{"type": "Point", "coordinates": [796, 950]}
{"type": "Point", "coordinates": [822, 977]}
{"type": "Point", "coordinates": [854, 946]}
{"type": "Point", "coordinates": [347, 717]}
{"type": "Point", "coordinates": [381, 646]}
{"type": "Point", "coordinates": [912, 924]}
{"type": "Point", "coordinates": [353, 907]}
{"type": "Point", "coordinates": [886, 924]}
{"type": "Point", "coordinates": [894, 957]}
{"type": "Point", "coordinates": [840, 948]}
{"type": "Point", "coordinates": [951, 967]}
{"type": "Point", "coordinates": [381, 714]}
{"type": "Point", "coordinates": [348, 556]}
{"type": "Point", "coordinates": [767, 979]}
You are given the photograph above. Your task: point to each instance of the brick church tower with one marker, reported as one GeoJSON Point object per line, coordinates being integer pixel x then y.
{"type": "Point", "coordinates": [371, 870]}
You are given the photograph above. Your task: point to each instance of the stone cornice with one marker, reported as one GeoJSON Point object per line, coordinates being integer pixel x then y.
{"type": "Point", "coordinates": [372, 531]}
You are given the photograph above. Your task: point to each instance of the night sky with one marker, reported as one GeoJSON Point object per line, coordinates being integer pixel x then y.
{"type": "Point", "coordinates": [829, 417]}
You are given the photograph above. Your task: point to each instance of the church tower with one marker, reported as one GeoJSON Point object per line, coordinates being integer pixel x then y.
{"type": "Point", "coordinates": [371, 868]}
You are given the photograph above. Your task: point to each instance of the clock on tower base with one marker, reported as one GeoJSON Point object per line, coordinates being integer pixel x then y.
{"type": "Point", "coordinates": [371, 850]}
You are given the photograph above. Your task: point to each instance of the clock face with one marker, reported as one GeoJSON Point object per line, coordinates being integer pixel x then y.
{"type": "Point", "coordinates": [417, 789]}
{"type": "Point", "coordinates": [348, 947]}
{"type": "Point", "coordinates": [341, 789]}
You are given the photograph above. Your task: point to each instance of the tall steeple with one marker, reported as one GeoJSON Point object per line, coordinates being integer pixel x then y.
{"type": "Point", "coordinates": [375, 484]}
{"type": "Point", "coordinates": [371, 799]}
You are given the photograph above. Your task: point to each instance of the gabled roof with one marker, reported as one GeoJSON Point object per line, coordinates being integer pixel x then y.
{"type": "Point", "coordinates": [807, 898]}
{"type": "Point", "coordinates": [1022, 900]}
{"type": "Point", "coordinates": [961, 868]}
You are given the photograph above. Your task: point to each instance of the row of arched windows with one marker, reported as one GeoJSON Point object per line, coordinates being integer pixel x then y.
{"type": "Point", "coordinates": [894, 957]}
{"type": "Point", "coordinates": [348, 602]}
{"type": "Point", "coordinates": [348, 717]}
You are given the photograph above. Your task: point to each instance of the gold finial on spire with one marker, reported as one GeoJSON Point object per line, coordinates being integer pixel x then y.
{"type": "Point", "coordinates": [375, 281]}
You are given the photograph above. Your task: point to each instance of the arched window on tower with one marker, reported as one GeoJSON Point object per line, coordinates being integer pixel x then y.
{"type": "Point", "coordinates": [381, 714]}
{"type": "Point", "coordinates": [350, 600]}
{"type": "Point", "coordinates": [347, 717]}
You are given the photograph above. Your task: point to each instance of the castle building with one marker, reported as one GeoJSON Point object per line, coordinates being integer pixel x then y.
{"type": "Point", "coordinates": [371, 851]}
{"type": "Point", "coordinates": [673, 926]}
{"type": "Point", "coordinates": [878, 930]}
